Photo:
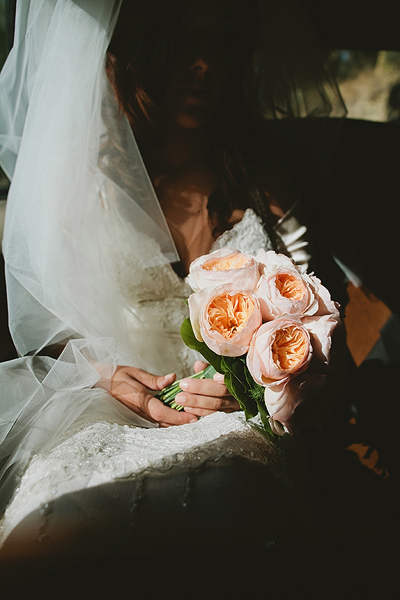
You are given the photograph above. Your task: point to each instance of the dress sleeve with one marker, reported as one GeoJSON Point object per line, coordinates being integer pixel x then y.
{"type": "Point", "coordinates": [292, 236]}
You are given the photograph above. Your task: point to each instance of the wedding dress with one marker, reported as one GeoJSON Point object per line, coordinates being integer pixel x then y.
{"type": "Point", "coordinates": [103, 448]}
{"type": "Point", "coordinates": [88, 264]}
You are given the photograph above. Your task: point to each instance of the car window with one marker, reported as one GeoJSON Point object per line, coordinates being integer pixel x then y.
{"type": "Point", "coordinates": [369, 82]}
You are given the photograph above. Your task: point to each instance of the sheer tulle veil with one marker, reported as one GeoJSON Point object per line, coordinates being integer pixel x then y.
{"type": "Point", "coordinates": [69, 207]}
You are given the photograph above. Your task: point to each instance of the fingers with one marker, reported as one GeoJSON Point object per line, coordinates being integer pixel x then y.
{"type": "Point", "coordinates": [165, 416]}
{"type": "Point", "coordinates": [199, 365]}
{"type": "Point", "coordinates": [131, 392]}
{"type": "Point", "coordinates": [199, 397]}
{"type": "Point", "coordinates": [154, 382]}
{"type": "Point", "coordinates": [150, 381]}
{"type": "Point", "coordinates": [205, 396]}
{"type": "Point", "coordinates": [204, 405]}
{"type": "Point", "coordinates": [137, 398]}
{"type": "Point", "coordinates": [204, 387]}
{"type": "Point", "coordinates": [219, 377]}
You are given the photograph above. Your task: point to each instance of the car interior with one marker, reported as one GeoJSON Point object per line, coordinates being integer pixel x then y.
{"type": "Point", "coordinates": [350, 172]}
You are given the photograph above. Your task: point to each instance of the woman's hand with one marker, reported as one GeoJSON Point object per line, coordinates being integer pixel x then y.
{"type": "Point", "coordinates": [204, 396]}
{"type": "Point", "coordinates": [132, 386]}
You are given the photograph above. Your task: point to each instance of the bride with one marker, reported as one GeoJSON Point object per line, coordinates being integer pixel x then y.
{"type": "Point", "coordinates": [134, 136]}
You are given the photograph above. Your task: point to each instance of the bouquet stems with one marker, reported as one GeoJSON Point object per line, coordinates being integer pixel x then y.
{"type": "Point", "coordinates": [167, 394]}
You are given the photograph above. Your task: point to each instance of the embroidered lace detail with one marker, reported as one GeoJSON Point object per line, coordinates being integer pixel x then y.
{"type": "Point", "coordinates": [102, 452]}
{"type": "Point", "coordinates": [248, 235]}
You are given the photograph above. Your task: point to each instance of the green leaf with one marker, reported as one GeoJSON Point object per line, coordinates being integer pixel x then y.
{"type": "Point", "coordinates": [234, 370]}
{"type": "Point", "coordinates": [190, 340]}
{"type": "Point", "coordinates": [264, 414]}
{"type": "Point", "coordinates": [238, 379]}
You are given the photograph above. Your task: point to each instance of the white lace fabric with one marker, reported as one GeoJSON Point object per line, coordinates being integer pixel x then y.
{"type": "Point", "coordinates": [103, 445]}
{"type": "Point", "coordinates": [102, 452]}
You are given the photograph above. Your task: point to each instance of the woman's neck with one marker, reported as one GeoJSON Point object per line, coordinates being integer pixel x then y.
{"type": "Point", "coordinates": [183, 179]}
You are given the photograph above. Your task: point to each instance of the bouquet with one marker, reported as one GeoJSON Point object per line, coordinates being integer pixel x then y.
{"type": "Point", "coordinates": [265, 325]}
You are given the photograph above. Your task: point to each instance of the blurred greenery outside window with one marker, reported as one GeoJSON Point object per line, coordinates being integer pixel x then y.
{"type": "Point", "coordinates": [368, 80]}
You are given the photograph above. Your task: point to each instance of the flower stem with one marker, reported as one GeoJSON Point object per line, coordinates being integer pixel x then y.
{"type": "Point", "coordinates": [167, 394]}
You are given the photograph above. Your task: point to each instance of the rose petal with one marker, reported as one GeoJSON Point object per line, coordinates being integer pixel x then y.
{"type": "Point", "coordinates": [275, 397]}
{"type": "Point", "coordinates": [243, 274]}
{"type": "Point", "coordinates": [277, 427]}
{"type": "Point", "coordinates": [290, 399]}
{"type": "Point", "coordinates": [321, 330]}
{"type": "Point", "coordinates": [326, 305]}
{"type": "Point", "coordinates": [269, 261]}
{"type": "Point", "coordinates": [196, 302]}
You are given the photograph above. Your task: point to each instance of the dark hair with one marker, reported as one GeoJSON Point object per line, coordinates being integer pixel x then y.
{"type": "Point", "coordinates": [139, 62]}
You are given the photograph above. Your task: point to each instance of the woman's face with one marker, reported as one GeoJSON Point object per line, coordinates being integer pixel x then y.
{"type": "Point", "coordinates": [209, 46]}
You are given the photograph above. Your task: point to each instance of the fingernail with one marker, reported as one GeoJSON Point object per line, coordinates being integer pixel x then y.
{"type": "Point", "coordinates": [180, 398]}
{"type": "Point", "coordinates": [219, 377]}
{"type": "Point", "coordinates": [184, 384]}
{"type": "Point", "coordinates": [188, 409]}
{"type": "Point", "coordinates": [193, 420]}
{"type": "Point", "coordinates": [169, 376]}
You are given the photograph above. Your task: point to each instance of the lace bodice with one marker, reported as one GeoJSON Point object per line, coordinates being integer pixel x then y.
{"type": "Point", "coordinates": [155, 306]}
{"type": "Point", "coordinates": [155, 297]}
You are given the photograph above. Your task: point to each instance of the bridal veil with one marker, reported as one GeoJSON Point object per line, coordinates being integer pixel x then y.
{"type": "Point", "coordinates": [79, 187]}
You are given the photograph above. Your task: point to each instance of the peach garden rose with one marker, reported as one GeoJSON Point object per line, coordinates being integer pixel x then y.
{"type": "Point", "coordinates": [280, 354]}
{"type": "Point", "coordinates": [225, 319]}
{"type": "Point", "coordinates": [224, 266]}
{"type": "Point", "coordinates": [283, 403]}
{"type": "Point", "coordinates": [279, 350]}
{"type": "Point", "coordinates": [284, 289]}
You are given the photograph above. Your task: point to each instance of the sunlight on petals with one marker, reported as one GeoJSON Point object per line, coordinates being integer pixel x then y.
{"type": "Point", "coordinates": [227, 319]}
{"type": "Point", "coordinates": [225, 263]}
{"type": "Point", "coordinates": [229, 313]}
{"type": "Point", "coordinates": [227, 266]}
{"type": "Point", "coordinates": [290, 287]}
{"type": "Point", "coordinates": [289, 348]}
{"type": "Point", "coordinates": [279, 350]}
